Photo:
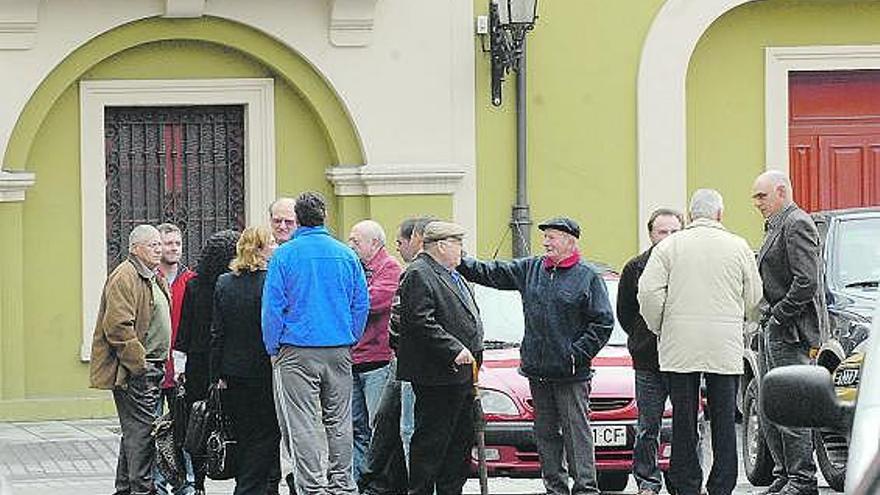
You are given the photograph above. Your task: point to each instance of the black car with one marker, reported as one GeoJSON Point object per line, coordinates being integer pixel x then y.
{"type": "Point", "coordinates": [850, 241]}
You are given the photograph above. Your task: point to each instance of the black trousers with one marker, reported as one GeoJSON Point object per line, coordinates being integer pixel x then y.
{"type": "Point", "coordinates": [442, 440]}
{"type": "Point", "coordinates": [685, 473]}
{"type": "Point", "coordinates": [197, 366]}
{"type": "Point", "coordinates": [385, 472]}
{"type": "Point", "coordinates": [250, 404]}
{"type": "Point", "coordinates": [136, 407]}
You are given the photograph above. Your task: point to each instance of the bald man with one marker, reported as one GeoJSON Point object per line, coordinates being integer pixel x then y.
{"type": "Point", "coordinates": [795, 319]}
{"type": "Point", "coordinates": [372, 354]}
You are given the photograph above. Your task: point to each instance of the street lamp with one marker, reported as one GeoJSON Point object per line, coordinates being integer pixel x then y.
{"type": "Point", "coordinates": [509, 21]}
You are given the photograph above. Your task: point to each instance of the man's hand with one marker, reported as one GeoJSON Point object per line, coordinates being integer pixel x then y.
{"type": "Point", "coordinates": [464, 357]}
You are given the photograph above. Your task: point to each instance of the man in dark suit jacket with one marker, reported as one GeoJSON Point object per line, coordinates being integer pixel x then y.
{"type": "Point", "coordinates": [441, 338]}
{"type": "Point", "coordinates": [795, 318]}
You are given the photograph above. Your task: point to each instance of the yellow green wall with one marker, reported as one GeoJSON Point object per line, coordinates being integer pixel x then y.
{"type": "Point", "coordinates": [40, 315]}
{"type": "Point", "coordinates": [725, 89]}
{"type": "Point", "coordinates": [583, 60]}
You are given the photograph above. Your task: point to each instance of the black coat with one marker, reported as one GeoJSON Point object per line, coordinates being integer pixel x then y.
{"type": "Point", "coordinates": [568, 318]}
{"type": "Point", "coordinates": [791, 269]}
{"type": "Point", "coordinates": [236, 337]}
{"type": "Point", "coordinates": [437, 321]}
{"type": "Point", "coordinates": [642, 343]}
{"type": "Point", "coordinates": [194, 330]}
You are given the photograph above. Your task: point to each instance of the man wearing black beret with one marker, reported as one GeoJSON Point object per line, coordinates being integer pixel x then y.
{"type": "Point", "coordinates": [568, 319]}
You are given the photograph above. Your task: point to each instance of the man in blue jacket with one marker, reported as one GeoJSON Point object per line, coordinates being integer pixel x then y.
{"type": "Point", "coordinates": [315, 306]}
{"type": "Point", "coordinates": [568, 319]}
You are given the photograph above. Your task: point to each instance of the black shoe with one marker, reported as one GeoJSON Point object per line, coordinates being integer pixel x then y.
{"type": "Point", "coordinates": [775, 487]}
{"type": "Point", "coordinates": [291, 484]}
{"type": "Point", "coordinates": [791, 489]}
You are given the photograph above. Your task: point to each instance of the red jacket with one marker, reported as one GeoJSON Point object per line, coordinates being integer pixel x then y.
{"type": "Point", "coordinates": [177, 290]}
{"type": "Point", "coordinates": [383, 276]}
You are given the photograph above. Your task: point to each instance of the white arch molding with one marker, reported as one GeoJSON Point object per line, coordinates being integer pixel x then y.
{"type": "Point", "coordinates": [661, 105]}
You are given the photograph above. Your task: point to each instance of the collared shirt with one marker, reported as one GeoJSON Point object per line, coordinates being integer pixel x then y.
{"type": "Point", "coordinates": [772, 223]}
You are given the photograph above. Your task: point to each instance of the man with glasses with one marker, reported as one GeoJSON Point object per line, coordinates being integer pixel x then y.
{"type": "Point", "coordinates": [131, 342]}
{"type": "Point", "coordinates": [441, 338]}
{"type": "Point", "coordinates": [282, 218]}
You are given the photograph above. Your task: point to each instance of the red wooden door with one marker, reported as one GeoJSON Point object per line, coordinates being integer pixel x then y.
{"type": "Point", "coordinates": [849, 169]}
{"type": "Point", "coordinates": [834, 138]}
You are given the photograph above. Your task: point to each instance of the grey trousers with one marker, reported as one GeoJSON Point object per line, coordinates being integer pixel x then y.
{"type": "Point", "coordinates": [136, 407]}
{"type": "Point", "coordinates": [562, 425]}
{"type": "Point", "coordinates": [652, 389]}
{"type": "Point", "coordinates": [791, 448]}
{"type": "Point", "coordinates": [316, 393]}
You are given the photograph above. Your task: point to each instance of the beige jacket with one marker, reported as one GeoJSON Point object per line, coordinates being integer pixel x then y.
{"type": "Point", "coordinates": [123, 319]}
{"type": "Point", "coordinates": [697, 289]}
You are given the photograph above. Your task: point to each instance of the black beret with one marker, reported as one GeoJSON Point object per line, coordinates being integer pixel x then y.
{"type": "Point", "coordinates": [563, 224]}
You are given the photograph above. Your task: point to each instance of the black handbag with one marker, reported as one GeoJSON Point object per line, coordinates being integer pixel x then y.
{"type": "Point", "coordinates": [200, 423]}
{"type": "Point", "coordinates": [169, 458]}
{"type": "Point", "coordinates": [221, 445]}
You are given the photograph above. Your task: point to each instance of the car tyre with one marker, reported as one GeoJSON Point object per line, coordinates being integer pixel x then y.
{"type": "Point", "coordinates": [832, 450]}
{"type": "Point", "coordinates": [757, 462]}
{"type": "Point", "coordinates": [613, 482]}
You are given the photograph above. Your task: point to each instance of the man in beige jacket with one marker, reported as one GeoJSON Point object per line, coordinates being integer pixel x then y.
{"type": "Point", "coordinates": [131, 342]}
{"type": "Point", "coordinates": [698, 287]}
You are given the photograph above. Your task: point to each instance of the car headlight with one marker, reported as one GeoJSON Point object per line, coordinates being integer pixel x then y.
{"type": "Point", "coordinates": [495, 402]}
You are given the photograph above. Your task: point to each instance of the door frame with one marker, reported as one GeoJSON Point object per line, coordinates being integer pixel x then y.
{"type": "Point", "coordinates": [778, 63]}
{"type": "Point", "coordinates": [257, 96]}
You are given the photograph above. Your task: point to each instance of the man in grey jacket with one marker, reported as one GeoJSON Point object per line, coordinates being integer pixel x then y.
{"type": "Point", "coordinates": [795, 319]}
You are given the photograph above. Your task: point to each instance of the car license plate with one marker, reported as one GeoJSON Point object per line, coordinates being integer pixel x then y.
{"type": "Point", "coordinates": [609, 436]}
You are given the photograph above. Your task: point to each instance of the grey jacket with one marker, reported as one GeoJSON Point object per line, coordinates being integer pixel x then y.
{"type": "Point", "coordinates": [790, 263]}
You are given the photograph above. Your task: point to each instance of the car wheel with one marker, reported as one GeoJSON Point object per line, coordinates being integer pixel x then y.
{"type": "Point", "coordinates": [613, 482]}
{"type": "Point", "coordinates": [757, 462]}
{"type": "Point", "coordinates": [831, 452]}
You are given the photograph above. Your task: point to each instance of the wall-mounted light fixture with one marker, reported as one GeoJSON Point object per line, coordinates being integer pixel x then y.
{"type": "Point", "coordinates": [509, 21]}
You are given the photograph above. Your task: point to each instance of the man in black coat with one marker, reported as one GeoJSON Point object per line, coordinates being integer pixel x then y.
{"type": "Point", "coordinates": [651, 385]}
{"type": "Point", "coordinates": [568, 319]}
{"type": "Point", "coordinates": [795, 320]}
{"type": "Point", "coordinates": [441, 338]}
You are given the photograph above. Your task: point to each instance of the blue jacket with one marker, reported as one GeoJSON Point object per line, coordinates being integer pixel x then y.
{"type": "Point", "coordinates": [568, 316]}
{"type": "Point", "coordinates": [315, 293]}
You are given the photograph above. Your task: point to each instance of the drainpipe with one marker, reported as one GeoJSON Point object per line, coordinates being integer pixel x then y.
{"type": "Point", "coordinates": [520, 222]}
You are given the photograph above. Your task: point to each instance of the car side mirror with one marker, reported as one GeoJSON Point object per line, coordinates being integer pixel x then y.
{"type": "Point", "coordinates": [803, 396]}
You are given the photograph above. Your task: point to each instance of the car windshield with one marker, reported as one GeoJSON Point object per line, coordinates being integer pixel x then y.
{"type": "Point", "coordinates": [501, 311]}
{"type": "Point", "coordinates": [857, 263]}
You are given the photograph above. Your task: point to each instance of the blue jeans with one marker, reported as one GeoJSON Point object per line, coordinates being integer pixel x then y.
{"type": "Point", "coordinates": [159, 480]}
{"type": "Point", "coordinates": [652, 389]}
{"type": "Point", "coordinates": [366, 391]}
{"type": "Point", "coordinates": [407, 416]}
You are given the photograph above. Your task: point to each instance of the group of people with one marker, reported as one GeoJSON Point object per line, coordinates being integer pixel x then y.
{"type": "Point", "coordinates": [683, 303]}
{"type": "Point", "coordinates": [361, 370]}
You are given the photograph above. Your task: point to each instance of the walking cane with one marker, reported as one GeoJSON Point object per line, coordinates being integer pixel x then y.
{"type": "Point", "coordinates": [480, 431]}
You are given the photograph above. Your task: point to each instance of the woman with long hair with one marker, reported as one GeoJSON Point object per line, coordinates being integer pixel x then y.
{"type": "Point", "coordinates": [240, 365]}
{"type": "Point", "coordinates": [194, 333]}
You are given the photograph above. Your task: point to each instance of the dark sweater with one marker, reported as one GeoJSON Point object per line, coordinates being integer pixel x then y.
{"type": "Point", "coordinates": [642, 343]}
{"type": "Point", "coordinates": [237, 348]}
{"type": "Point", "coordinates": [568, 317]}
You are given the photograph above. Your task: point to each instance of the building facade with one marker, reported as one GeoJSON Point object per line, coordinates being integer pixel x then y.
{"type": "Point", "coordinates": [202, 111]}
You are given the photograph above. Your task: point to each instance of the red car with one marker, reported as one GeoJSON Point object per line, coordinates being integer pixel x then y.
{"type": "Point", "coordinates": [507, 401]}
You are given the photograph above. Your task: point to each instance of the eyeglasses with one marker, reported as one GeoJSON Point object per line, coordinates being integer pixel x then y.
{"type": "Point", "coordinates": [284, 221]}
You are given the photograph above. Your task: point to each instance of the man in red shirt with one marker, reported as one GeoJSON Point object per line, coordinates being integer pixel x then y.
{"type": "Point", "coordinates": [176, 275]}
{"type": "Point", "coordinates": [372, 354]}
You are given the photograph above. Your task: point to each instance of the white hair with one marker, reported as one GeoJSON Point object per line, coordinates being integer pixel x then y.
{"type": "Point", "coordinates": [371, 230]}
{"type": "Point", "coordinates": [778, 178]}
{"type": "Point", "coordinates": [705, 203]}
{"type": "Point", "coordinates": [141, 235]}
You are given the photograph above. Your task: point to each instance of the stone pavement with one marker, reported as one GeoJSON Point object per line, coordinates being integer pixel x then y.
{"type": "Point", "coordinates": [79, 458]}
